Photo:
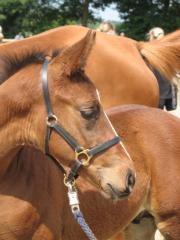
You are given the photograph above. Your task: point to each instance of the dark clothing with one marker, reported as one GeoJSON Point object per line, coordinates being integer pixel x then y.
{"type": "Point", "coordinates": [167, 92]}
{"type": "Point", "coordinates": [164, 86]}
{"type": "Point", "coordinates": [165, 103]}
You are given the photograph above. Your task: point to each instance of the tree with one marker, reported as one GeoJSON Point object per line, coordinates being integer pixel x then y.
{"type": "Point", "coordinates": [82, 10]}
{"type": "Point", "coordinates": [38, 15]}
{"type": "Point", "coordinates": [28, 16]}
{"type": "Point", "coordinates": [139, 16]}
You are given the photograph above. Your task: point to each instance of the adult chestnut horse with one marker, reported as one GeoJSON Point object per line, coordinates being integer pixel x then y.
{"type": "Point", "coordinates": [25, 203]}
{"type": "Point", "coordinates": [115, 64]}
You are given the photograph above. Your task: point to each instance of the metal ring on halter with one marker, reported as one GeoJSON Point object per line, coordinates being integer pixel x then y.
{"type": "Point", "coordinates": [83, 156]}
{"type": "Point", "coordinates": [51, 119]}
{"type": "Point", "coordinates": [67, 182]}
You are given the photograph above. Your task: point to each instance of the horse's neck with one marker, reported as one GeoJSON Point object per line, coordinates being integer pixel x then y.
{"type": "Point", "coordinates": [15, 127]}
{"type": "Point", "coordinates": [9, 135]}
{"type": "Point", "coordinates": [32, 191]}
{"type": "Point", "coordinates": [12, 128]}
{"type": "Point", "coordinates": [62, 36]}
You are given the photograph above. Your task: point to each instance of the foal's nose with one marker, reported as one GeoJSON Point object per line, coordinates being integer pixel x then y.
{"type": "Point", "coordinates": [130, 181]}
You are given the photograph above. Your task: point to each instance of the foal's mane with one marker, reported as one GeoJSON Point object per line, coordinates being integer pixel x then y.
{"type": "Point", "coordinates": [12, 62]}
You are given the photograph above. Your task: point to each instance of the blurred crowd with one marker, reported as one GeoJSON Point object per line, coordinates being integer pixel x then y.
{"type": "Point", "coordinates": [18, 36]}
{"type": "Point", "coordinates": [108, 27]}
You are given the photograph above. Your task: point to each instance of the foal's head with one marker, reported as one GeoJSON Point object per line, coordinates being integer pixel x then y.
{"type": "Point", "coordinates": [76, 104]}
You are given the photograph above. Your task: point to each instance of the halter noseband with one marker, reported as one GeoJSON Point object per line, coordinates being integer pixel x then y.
{"type": "Point", "coordinates": [82, 156]}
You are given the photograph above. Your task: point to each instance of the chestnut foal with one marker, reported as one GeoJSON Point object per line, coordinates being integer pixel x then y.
{"type": "Point", "coordinates": [29, 209]}
{"type": "Point", "coordinates": [155, 152]}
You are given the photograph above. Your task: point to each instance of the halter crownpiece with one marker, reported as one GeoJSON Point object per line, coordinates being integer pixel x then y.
{"type": "Point", "coordinates": [82, 155]}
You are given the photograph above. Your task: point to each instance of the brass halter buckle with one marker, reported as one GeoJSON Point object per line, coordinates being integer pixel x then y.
{"type": "Point", "coordinates": [68, 183]}
{"type": "Point", "coordinates": [83, 156]}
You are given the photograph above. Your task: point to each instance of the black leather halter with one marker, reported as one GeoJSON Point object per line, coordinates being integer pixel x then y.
{"type": "Point", "coordinates": [82, 156]}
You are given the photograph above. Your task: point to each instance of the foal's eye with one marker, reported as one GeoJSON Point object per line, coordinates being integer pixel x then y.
{"type": "Point", "coordinates": [91, 113]}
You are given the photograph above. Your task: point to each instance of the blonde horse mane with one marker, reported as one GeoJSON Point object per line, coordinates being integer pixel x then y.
{"type": "Point", "coordinates": [163, 54]}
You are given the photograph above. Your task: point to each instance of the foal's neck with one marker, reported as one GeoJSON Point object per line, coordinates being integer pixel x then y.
{"type": "Point", "coordinates": [16, 128]}
{"type": "Point", "coordinates": [10, 135]}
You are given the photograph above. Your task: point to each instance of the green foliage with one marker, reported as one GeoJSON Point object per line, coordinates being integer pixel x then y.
{"type": "Point", "coordinates": [139, 16]}
{"type": "Point", "coordinates": [27, 16]}
{"type": "Point", "coordinates": [34, 16]}
{"type": "Point", "coordinates": [82, 10]}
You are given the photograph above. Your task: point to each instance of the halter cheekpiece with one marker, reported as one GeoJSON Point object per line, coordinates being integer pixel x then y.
{"type": "Point", "coordinates": [82, 156]}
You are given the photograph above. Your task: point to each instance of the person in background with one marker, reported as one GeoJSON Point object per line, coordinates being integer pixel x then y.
{"type": "Point", "coordinates": [122, 34]}
{"type": "Point", "coordinates": [1, 34]}
{"type": "Point", "coordinates": [19, 36]}
{"type": "Point", "coordinates": [167, 90]}
{"type": "Point", "coordinates": [155, 33]}
{"type": "Point", "coordinates": [106, 27]}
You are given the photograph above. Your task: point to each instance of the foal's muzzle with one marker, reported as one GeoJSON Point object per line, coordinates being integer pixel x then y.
{"type": "Point", "coordinates": [122, 193]}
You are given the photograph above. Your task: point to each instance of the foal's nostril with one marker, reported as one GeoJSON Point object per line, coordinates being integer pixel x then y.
{"type": "Point", "coordinates": [130, 181]}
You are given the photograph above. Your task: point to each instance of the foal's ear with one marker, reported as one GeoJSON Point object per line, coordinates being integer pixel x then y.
{"type": "Point", "coordinates": [75, 57]}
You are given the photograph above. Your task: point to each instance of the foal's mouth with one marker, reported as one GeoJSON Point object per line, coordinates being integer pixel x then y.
{"type": "Point", "coordinates": [109, 191]}
{"type": "Point", "coordinates": [116, 194]}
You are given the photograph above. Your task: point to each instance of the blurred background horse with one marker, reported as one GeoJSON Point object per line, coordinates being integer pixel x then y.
{"type": "Point", "coordinates": [120, 67]}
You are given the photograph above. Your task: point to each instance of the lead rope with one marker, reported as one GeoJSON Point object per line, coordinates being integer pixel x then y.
{"type": "Point", "coordinates": [74, 204]}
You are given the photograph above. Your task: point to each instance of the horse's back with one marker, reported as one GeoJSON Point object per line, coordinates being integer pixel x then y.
{"type": "Point", "coordinates": [114, 65]}
{"type": "Point", "coordinates": [146, 115]}
{"type": "Point", "coordinates": [155, 125]}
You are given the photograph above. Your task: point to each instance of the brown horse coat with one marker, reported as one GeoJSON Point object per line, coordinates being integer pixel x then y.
{"type": "Point", "coordinates": [28, 46]}
{"type": "Point", "coordinates": [34, 203]}
{"type": "Point", "coordinates": [23, 122]}
{"type": "Point", "coordinates": [115, 64]}
{"type": "Point", "coordinates": [152, 138]}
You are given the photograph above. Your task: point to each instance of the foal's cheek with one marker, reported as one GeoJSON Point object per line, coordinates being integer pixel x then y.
{"type": "Point", "coordinates": [91, 175]}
